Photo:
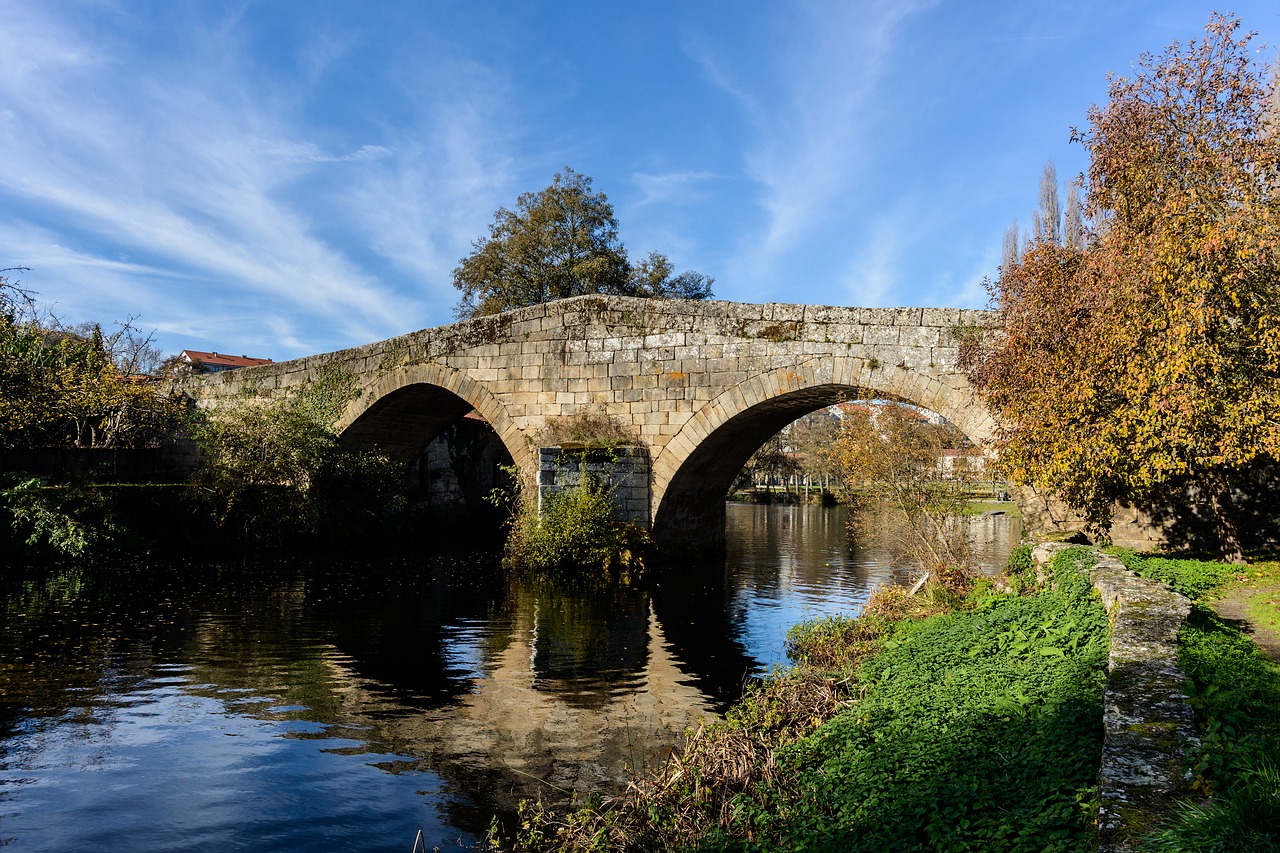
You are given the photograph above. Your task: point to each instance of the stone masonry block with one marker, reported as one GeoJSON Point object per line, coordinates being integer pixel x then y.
{"type": "Point", "coordinates": [829, 314]}
{"type": "Point", "coordinates": [778, 311]}
{"type": "Point", "coordinates": [920, 336]}
{"type": "Point", "coordinates": [944, 318]}
{"type": "Point", "coordinates": [880, 335]}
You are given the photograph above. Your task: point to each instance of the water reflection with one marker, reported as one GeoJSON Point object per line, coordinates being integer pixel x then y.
{"type": "Point", "coordinates": [346, 706]}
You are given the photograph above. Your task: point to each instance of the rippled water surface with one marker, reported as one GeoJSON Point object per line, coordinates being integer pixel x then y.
{"type": "Point", "coordinates": [346, 707]}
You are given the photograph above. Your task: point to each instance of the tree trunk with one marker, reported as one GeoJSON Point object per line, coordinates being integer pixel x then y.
{"type": "Point", "coordinates": [1224, 521]}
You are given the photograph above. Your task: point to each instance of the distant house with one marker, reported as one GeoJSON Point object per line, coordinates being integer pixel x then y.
{"type": "Point", "coordinates": [215, 362]}
{"type": "Point", "coordinates": [968, 462]}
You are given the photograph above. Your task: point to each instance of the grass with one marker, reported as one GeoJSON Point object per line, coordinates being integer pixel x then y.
{"type": "Point", "coordinates": [978, 507]}
{"type": "Point", "coordinates": [1263, 606]}
{"type": "Point", "coordinates": [1264, 609]}
{"type": "Point", "coordinates": [951, 720]}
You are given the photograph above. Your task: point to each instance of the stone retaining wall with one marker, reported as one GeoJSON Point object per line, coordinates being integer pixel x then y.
{"type": "Point", "coordinates": [624, 471]}
{"type": "Point", "coordinates": [1148, 723]}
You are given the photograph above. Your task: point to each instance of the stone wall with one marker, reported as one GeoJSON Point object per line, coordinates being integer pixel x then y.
{"type": "Point", "coordinates": [1147, 722]}
{"type": "Point", "coordinates": [624, 471]}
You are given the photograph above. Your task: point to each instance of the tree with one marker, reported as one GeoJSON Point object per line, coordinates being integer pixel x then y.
{"type": "Point", "coordinates": [1149, 358]}
{"type": "Point", "coordinates": [653, 279]}
{"type": "Point", "coordinates": [1010, 250]}
{"type": "Point", "coordinates": [1047, 220]}
{"type": "Point", "coordinates": [1073, 221]}
{"type": "Point", "coordinates": [561, 242]}
{"type": "Point", "coordinates": [888, 458]}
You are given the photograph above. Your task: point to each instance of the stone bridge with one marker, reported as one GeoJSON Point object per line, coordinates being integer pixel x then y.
{"type": "Point", "coordinates": [700, 385]}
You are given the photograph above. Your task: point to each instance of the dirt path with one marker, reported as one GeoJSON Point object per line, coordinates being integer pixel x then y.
{"type": "Point", "coordinates": [1232, 607]}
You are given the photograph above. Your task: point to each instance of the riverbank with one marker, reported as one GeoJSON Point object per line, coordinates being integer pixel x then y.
{"type": "Point", "coordinates": [1232, 799]}
{"type": "Point", "coordinates": [956, 719]}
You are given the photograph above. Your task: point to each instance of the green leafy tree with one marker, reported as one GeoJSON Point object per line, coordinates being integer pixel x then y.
{"type": "Point", "coordinates": [1149, 358]}
{"type": "Point", "coordinates": [654, 278]}
{"type": "Point", "coordinates": [561, 242]}
{"type": "Point", "coordinates": [272, 471]}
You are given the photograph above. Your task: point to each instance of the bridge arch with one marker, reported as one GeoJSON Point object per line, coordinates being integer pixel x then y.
{"type": "Point", "coordinates": [694, 471]}
{"type": "Point", "coordinates": [403, 409]}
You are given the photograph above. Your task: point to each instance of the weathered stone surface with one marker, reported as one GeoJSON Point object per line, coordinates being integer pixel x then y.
{"type": "Point", "coordinates": [1147, 721]}
{"type": "Point", "coordinates": [702, 384]}
{"type": "Point", "coordinates": [739, 371]}
{"type": "Point", "coordinates": [624, 471]}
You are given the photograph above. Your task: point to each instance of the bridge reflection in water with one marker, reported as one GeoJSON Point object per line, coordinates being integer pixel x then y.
{"type": "Point", "coordinates": [346, 706]}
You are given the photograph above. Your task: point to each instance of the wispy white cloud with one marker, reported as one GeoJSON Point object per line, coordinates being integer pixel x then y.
{"type": "Point", "coordinates": [874, 271]}
{"type": "Point", "coordinates": [218, 183]}
{"type": "Point", "coordinates": [452, 168]}
{"type": "Point", "coordinates": [812, 106]}
{"type": "Point", "coordinates": [670, 187]}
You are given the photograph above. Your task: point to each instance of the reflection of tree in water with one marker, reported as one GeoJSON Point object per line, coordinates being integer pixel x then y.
{"type": "Point", "coordinates": [589, 639]}
{"type": "Point", "coordinates": [402, 628]}
{"type": "Point", "coordinates": [69, 635]}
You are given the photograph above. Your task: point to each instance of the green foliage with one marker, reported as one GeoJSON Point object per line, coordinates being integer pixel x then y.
{"type": "Point", "coordinates": [1196, 579]}
{"type": "Point", "coordinates": [322, 400]}
{"type": "Point", "coordinates": [974, 730]}
{"type": "Point", "coordinates": [1019, 562]}
{"type": "Point", "coordinates": [1246, 816]}
{"type": "Point", "coordinates": [59, 521]}
{"type": "Point", "coordinates": [1235, 690]}
{"type": "Point", "coordinates": [978, 729]}
{"type": "Point", "coordinates": [561, 242]}
{"type": "Point", "coordinates": [577, 529]}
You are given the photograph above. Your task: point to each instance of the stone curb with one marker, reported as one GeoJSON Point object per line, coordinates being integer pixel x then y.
{"type": "Point", "coordinates": [1147, 722]}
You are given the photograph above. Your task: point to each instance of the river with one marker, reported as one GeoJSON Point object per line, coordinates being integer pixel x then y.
{"type": "Point", "coordinates": [335, 707]}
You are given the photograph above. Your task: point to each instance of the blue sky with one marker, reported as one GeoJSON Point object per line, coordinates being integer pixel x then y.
{"type": "Point", "coordinates": [281, 178]}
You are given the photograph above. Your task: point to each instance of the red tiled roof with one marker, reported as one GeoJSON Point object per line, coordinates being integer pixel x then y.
{"type": "Point", "coordinates": [215, 358]}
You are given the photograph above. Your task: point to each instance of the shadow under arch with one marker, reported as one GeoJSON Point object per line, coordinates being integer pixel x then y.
{"type": "Point", "coordinates": [692, 475]}
{"type": "Point", "coordinates": [402, 410]}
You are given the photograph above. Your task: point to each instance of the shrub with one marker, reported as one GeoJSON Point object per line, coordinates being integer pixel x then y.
{"type": "Point", "coordinates": [576, 529]}
{"type": "Point", "coordinates": [57, 521]}
{"type": "Point", "coordinates": [274, 471]}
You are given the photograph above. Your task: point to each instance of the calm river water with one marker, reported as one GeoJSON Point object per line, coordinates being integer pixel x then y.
{"type": "Point", "coordinates": [346, 707]}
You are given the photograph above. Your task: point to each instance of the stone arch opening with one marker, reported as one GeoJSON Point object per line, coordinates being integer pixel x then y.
{"type": "Point", "coordinates": [456, 442]}
{"type": "Point", "coordinates": [697, 468]}
{"type": "Point", "coordinates": [404, 409]}
{"type": "Point", "coordinates": [404, 421]}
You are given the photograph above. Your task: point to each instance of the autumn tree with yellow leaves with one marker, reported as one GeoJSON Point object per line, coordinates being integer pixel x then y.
{"type": "Point", "coordinates": [1148, 357]}
{"type": "Point", "coordinates": [888, 458]}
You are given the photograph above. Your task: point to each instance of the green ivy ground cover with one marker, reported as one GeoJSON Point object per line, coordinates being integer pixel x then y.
{"type": "Point", "coordinates": [977, 730]}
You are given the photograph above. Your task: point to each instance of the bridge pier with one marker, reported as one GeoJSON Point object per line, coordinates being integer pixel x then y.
{"type": "Point", "coordinates": [622, 470]}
